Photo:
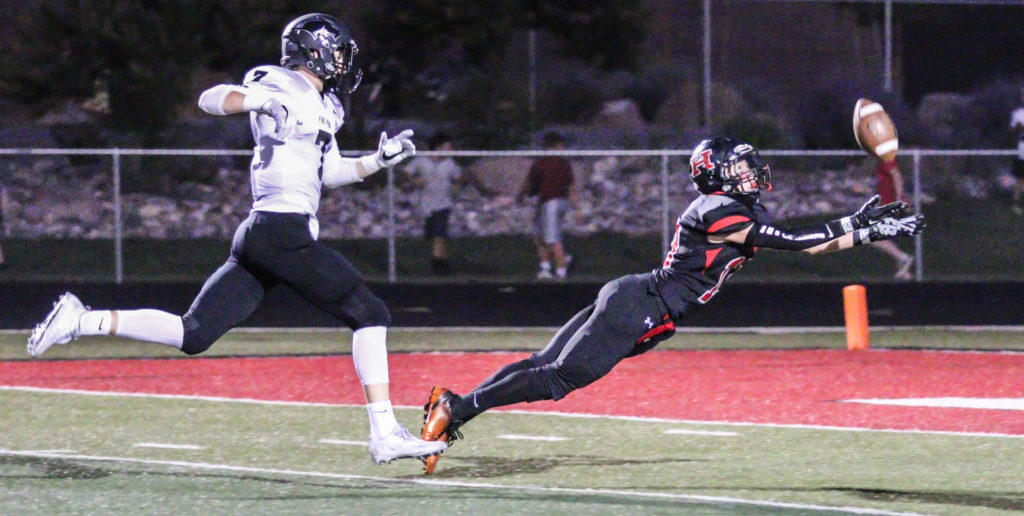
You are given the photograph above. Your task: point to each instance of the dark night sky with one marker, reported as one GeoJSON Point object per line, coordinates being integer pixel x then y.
{"type": "Point", "coordinates": [959, 48]}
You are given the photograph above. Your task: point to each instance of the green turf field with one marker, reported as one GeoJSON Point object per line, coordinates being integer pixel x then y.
{"type": "Point", "coordinates": [69, 453]}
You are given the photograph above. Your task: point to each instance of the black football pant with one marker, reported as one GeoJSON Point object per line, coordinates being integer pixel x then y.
{"type": "Point", "coordinates": [271, 249]}
{"type": "Point", "coordinates": [626, 319]}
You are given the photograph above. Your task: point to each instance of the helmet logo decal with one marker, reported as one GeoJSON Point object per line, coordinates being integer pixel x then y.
{"type": "Point", "coordinates": [324, 36]}
{"type": "Point", "coordinates": [699, 161]}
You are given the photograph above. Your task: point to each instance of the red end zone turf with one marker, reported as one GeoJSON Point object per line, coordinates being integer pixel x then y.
{"type": "Point", "coordinates": [782, 387]}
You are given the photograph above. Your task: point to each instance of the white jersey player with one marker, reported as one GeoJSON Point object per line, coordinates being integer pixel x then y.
{"type": "Point", "coordinates": [294, 112]}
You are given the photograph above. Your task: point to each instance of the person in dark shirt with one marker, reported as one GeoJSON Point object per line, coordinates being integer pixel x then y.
{"type": "Point", "coordinates": [551, 180]}
{"type": "Point", "coordinates": [716, 236]}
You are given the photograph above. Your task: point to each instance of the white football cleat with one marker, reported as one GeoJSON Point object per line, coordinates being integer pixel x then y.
{"type": "Point", "coordinates": [59, 327]}
{"type": "Point", "coordinates": [400, 444]}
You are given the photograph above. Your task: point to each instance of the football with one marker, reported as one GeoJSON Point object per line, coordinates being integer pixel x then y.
{"type": "Point", "coordinates": [874, 130]}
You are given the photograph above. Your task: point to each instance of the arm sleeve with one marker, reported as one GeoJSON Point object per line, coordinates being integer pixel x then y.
{"type": "Point", "coordinates": [212, 100]}
{"type": "Point", "coordinates": [258, 86]}
{"type": "Point", "coordinates": [339, 171]}
{"type": "Point", "coordinates": [768, 236]}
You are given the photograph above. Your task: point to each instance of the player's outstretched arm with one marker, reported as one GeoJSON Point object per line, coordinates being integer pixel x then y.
{"type": "Point", "coordinates": [823, 239]}
{"type": "Point", "coordinates": [340, 171]}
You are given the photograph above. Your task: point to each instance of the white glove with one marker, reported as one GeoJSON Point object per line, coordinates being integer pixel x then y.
{"type": "Point", "coordinates": [391, 151]}
{"type": "Point", "coordinates": [284, 120]}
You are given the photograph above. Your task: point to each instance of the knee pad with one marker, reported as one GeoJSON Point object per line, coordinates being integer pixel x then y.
{"type": "Point", "coordinates": [556, 382]}
{"type": "Point", "coordinates": [366, 309]}
{"type": "Point", "coordinates": [195, 340]}
{"type": "Point", "coordinates": [562, 380]}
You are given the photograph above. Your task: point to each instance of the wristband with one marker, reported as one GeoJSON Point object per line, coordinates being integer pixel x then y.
{"type": "Point", "coordinates": [371, 163]}
{"type": "Point", "coordinates": [862, 236]}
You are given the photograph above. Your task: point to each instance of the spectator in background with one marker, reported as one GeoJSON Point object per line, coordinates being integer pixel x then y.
{"type": "Point", "coordinates": [890, 188]}
{"type": "Point", "coordinates": [434, 176]}
{"type": "Point", "coordinates": [1017, 126]}
{"type": "Point", "coordinates": [551, 179]}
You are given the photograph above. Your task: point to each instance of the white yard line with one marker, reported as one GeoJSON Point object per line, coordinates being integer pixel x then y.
{"type": "Point", "coordinates": [166, 446]}
{"type": "Point", "coordinates": [947, 402]}
{"type": "Point", "coordinates": [343, 442]}
{"type": "Point", "coordinates": [519, 437]}
{"type": "Point", "coordinates": [472, 485]}
{"type": "Point", "coordinates": [681, 431]}
{"type": "Point", "coordinates": [216, 399]}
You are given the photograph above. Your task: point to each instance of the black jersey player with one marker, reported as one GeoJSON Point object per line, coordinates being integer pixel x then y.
{"type": "Point", "coordinates": [717, 234]}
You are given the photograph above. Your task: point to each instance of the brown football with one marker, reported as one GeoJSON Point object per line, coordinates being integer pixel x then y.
{"type": "Point", "coordinates": [874, 130]}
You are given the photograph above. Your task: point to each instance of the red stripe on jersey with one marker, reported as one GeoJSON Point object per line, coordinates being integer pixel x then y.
{"type": "Point", "coordinates": [709, 256]}
{"type": "Point", "coordinates": [667, 326]}
{"type": "Point", "coordinates": [726, 222]}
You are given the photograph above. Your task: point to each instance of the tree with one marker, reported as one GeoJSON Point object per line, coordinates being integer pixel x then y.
{"type": "Point", "coordinates": [143, 54]}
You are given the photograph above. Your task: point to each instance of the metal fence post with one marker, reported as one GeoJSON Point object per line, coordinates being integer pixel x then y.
{"type": "Point", "coordinates": [664, 204]}
{"type": "Point", "coordinates": [918, 239]}
{"type": "Point", "coordinates": [392, 260]}
{"type": "Point", "coordinates": [118, 248]}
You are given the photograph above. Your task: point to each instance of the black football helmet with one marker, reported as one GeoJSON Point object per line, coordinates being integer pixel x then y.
{"type": "Point", "coordinates": [716, 166]}
{"type": "Point", "coordinates": [323, 44]}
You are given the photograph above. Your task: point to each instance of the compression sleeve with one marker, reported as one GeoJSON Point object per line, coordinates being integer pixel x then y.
{"type": "Point", "coordinates": [212, 100]}
{"type": "Point", "coordinates": [339, 171]}
{"type": "Point", "coordinates": [767, 236]}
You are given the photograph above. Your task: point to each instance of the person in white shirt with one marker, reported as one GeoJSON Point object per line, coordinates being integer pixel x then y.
{"type": "Point", "coordinates": [294, 113]}
{"type": "Point", "coordinates": [434, 176]}
{"type": "Point", "coordinates": [1017, 126]}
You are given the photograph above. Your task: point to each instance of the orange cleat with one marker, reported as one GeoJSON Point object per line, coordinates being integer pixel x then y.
{"type": "Point", "coordinates": [438, 424]}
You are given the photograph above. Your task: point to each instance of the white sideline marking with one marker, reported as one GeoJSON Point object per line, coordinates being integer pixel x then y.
{"type": "Point", "coordinates": [950, 402]}
{"type": "Point", "coordinates": [174, 397]}
{"type": "Point", "coordinates": [700, 432]}
{"type": "Point", "coordinates": [216, 399]}
{"type": "Point", "coordinates": [766, 425]}
{"type": "Point", "coordinates": [473, 485]}
{"type": "Point", "coordinates": [687, 329]}
{"type": "Point", "coordinates": [343, 442]}
{"type": "Point", "coordinates": [165, 446]}
{"type": "Point", "coordinates": [519, 437]}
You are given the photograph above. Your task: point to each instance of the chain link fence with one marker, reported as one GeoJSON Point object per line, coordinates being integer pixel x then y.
{"type": "Point", "coordinates": [144, 214]}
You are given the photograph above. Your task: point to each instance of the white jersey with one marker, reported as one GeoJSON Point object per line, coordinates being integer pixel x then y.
{"type": "Point", "coordinates": [287, 175]}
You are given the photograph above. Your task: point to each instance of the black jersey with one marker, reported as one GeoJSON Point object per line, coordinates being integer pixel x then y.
{"type": "Point", "coordinates": [695, 268]}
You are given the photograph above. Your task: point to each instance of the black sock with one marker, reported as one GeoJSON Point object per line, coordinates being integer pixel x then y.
{"type": "Point", "coordinates": [517, 387]}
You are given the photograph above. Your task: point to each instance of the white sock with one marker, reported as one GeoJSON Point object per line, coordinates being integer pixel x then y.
{"type": "Point", "coordinates": [382, 419]}
{"type": "Point", "coordinates": [561, 272]}
{"type": "Point", "coordinates": [147, 325]}
{"type": "Point", "coordinates": [370, 355]}
{"type": "Point", "coordinates": [545, 266]}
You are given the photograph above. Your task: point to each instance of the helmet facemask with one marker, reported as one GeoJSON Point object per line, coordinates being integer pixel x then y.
{"type": "Point", "coordinates": [744, 174]}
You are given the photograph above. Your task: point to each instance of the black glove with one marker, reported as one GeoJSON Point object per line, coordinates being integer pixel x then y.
{"type": "Point", "coordinates": [890, 227]}
{"type": "Point", "coordinates": [871, 212]}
